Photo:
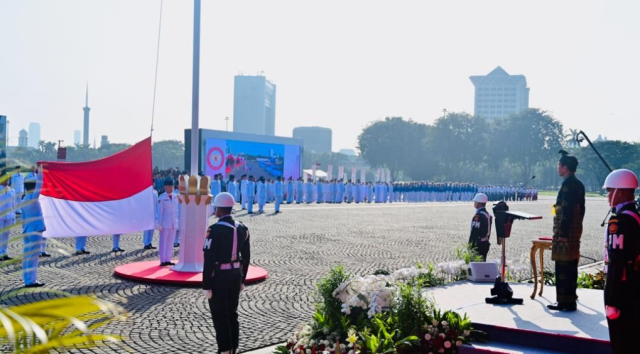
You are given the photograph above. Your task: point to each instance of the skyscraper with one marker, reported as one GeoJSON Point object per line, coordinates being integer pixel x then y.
{"type": "Point", "coordinates": [86, 109]}
{"type": "Point", "coordinates": [76, 137]}
{"type": "Point", "coordinates": [254, 105]}
{"type": "Point", "coordinates": [34, 134]}
{"type": "Point", "coordinates": [23, 138]}
{"type": "Point", "coordinates": [499, 94]}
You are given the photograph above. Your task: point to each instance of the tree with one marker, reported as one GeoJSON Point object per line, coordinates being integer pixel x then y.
{"type": "Point", "coordinates": [168, 153]}
{"type": "Point", "coordinates": [618, 154]}
{"type": "Point", "coordinates": [392, 143]}
{"type": "Point", "coordinates": [529, 139]}
{"type": "Point", "coordinates": [458, 141]}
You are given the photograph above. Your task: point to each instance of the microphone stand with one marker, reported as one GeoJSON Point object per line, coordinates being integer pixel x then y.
{"type": "Point", "coordinates": [601, 159]}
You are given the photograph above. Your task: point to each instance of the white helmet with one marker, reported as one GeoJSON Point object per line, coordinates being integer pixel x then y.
{"type": "Point", "coordinates": [481, 198]}
{"type": "Point", "coordinates": [224, 200]}
{"type": "Point", "coordinates": [621, 179]}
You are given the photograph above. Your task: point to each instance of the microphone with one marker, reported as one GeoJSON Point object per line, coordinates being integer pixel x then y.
{"type": "Point", "coordinates": [532, 178]}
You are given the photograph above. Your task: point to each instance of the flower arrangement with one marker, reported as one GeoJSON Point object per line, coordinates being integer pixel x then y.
{"type": "Point", "coordinates": [383, 313]}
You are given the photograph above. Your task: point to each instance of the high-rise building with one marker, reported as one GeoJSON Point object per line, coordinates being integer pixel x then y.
{"type": "Point", "coordinates": [104, 141]}
{"type": "Point", "coordinates": [34, 134]}
{"type": "Point", "coordinates": [316, 139]}
{"type": "Point", "coordinates": [254, 105]}
{"type": "Point", "coordinates": [23, 138]}
{"type": "Point", "coordinates": [499, 94]}
{"type": "Point", "coordinates": [86, 109]}
{"type": "Point", "coordinates": [76, 137]}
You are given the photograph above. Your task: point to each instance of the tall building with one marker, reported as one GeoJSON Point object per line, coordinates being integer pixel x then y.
{"type": "Point", "coordinates": [316, 139]}
{"type": "Point", "coordinates": [34, 134]}
{"type": "Point", "coordinates": [23, 138]}
{"type": "Point", "coordinates": [86, 109]}
{"type": "Point", "coordinates": [254, 105]}
{"type": "Point", "coordinates": [76, 137]}
{"type": "Point", "coordinates": [499, 94]}
{"type": "Point", "coordinates": [104, 141]}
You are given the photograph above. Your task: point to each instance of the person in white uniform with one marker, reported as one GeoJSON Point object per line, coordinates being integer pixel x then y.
{"type": "Point", "coordinates": [167, 222]}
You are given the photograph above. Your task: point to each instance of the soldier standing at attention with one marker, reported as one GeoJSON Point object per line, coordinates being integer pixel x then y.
{"type": "Point", "coordinates": [480, 227]}
{"type": "Point", "coordinates": [567, 231]}
{"type": "Point", "coordinates": [622, 287]}
{"type": "Point", "coordinates": [279, 194]}
{"type": "Point", "coordinates": [167, 222]}
{"type": "Point", "coordinates": [226, 263]}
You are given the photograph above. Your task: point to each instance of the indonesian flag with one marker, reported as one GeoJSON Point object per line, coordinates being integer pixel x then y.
{"type": "Point", "coordinates": [113, 195]}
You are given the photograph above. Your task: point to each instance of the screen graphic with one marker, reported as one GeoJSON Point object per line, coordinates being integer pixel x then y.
{"type": "Point", "coordinates": [234, 157]}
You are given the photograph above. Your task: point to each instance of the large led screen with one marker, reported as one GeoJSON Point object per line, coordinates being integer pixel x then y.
{"type": "Point", "coordinates": [235, 157]}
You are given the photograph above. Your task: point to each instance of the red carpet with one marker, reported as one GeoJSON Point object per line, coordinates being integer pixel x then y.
{"type": "Point", "coordinates": [151, 272]}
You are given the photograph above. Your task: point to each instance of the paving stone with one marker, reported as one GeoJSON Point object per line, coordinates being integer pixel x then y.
{"type": "Point", "coordinates": [297, 247]}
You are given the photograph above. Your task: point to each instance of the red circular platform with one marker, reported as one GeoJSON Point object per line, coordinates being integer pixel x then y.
{"type": "Point", "coordinates": [152, 272]}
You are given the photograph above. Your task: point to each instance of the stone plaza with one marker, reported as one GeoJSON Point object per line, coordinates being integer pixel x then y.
{"type": "Point", "coordinates": [296, 247]}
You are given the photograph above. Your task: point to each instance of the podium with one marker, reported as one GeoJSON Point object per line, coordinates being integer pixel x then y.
{"type": "Point", "coordinates": [501, 292]}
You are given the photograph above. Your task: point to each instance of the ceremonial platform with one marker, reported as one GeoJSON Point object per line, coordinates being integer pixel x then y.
{"type": "Point", "coordinates": [530, 327]}
{"type": "Point", "coordinates": [152, 272]}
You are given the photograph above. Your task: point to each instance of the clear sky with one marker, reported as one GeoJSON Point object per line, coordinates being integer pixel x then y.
{"type": "Point", "coordinates": [337, 64]}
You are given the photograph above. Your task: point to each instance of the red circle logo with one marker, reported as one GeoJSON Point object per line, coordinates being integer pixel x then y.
{"type": "Point", "coordinates": [215, 158]}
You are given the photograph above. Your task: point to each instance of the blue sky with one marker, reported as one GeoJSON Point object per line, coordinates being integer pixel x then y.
{"type": "Point", "coordinates": [338, 64]}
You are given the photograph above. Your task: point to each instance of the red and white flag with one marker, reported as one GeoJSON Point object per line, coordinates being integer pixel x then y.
{"type": "Point", "coordinates": [113, 195]}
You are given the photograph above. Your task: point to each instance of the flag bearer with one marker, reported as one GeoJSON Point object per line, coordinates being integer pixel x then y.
{"type": "Point", "coordinates": [167, 222]}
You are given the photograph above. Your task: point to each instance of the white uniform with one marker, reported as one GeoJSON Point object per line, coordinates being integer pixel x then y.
{"type": "Point", "coordinates": [7, 207]}
{"type": "Point", "coordinates": [167, 223]}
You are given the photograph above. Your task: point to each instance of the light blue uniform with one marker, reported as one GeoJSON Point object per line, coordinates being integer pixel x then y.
{"type": "Point", "coordinates": [279, 191]}
{"type": "Point", "coordinates": [232, 188]}
{"type": "Point", "coordinates": [81, 243]}
{"type": "Point", "coordinates": [289, 192]}
{"type": "Point", "coordinates": [309, 194]}
{"type": "Point", "coordinates": [216, 188]}
{"type": "Point", "coordinates": [116, 241]}
{"type": "Point", "coordinates": [262, 196]}
{"type": "Point", "coordinates": [251, 187]}
{"type": "Point", "coordinates": [32, 229]}
{"type": "Point", "coordinates": [147, 235]}
{"type": "Point", "coordinates": [7, 216]}
{"type": "Point", "coordinates": [299, 191]}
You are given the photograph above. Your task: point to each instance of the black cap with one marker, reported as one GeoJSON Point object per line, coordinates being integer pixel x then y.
{"type": "Point", "coordinates": [168, 182]}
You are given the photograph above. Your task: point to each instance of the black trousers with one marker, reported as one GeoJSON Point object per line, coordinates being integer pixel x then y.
{"type": "Point", "coordinates": [623, 331]}
{"type": "Point", "coordinates": [566, 282]}
{"type": "Point", "coordinates": [224, 308]}
{"type": "Point", "coordinates": [482, 248]}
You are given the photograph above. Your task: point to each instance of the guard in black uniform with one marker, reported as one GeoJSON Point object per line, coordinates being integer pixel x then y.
{"type": "Point", "coordinates": [480, 227]}
{"type": "Point", "coordinates": [226, 263]}
{"type": "Point", "coordinates": [622, 288]}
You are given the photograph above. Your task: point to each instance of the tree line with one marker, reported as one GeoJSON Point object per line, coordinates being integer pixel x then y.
{"type": "Point", "coordinates": [459, 147]}
{"type": "Point", "coordinates": [165, 154]}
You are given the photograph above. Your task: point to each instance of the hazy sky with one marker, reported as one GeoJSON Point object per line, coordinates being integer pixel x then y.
{"type": "Point", "coordinates": [337, 64]}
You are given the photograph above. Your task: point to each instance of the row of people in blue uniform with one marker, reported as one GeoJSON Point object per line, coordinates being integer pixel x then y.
{"type": "Point", "coordinates": [249, 191]}
{"type": "Point", "coordinates": [459, 192]}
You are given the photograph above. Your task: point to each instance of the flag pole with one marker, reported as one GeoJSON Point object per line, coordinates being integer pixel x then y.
{"type": "Point", "coordinates": [195, 98]}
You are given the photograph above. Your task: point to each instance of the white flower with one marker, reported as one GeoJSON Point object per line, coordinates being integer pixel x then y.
{"type": "Point", "coordinates": [308, 351]}
{"type": "Point", "coordinates": [467, 333]}
{"type": "Point", "coordinates": [447, 345]}
{"type": "Point", "coordinates": [326, 342]}
{"type": "Point", "coordinates": [442, 335]}
{"type": "Point", "coordinates": [434, 322]}
{"type": "Point", "coordinates": [325, 330]}
{"type": "Point", "coordinates": [427, 336]}
{"type": "Point", "coordinates": [444, 323]}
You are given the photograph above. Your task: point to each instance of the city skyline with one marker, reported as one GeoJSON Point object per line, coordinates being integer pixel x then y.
{"type": "Point", "coordinates": [397, 62]}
